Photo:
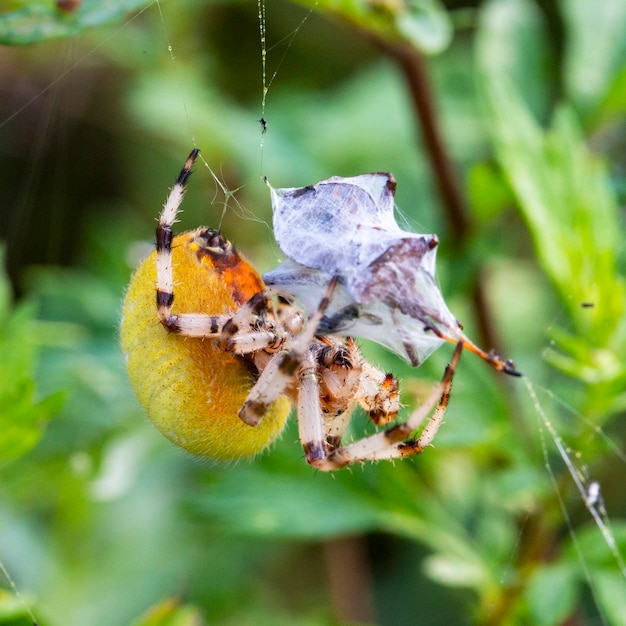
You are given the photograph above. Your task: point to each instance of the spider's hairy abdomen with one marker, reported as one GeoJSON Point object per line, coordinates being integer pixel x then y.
{"type": "Point", "coordinates": [191, 388]}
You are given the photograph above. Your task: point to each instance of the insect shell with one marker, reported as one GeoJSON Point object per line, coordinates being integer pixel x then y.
{"type": "Point", "coordinates": [190, 387]}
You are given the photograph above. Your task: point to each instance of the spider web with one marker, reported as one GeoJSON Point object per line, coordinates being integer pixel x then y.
{"type": "Point", "coordinates": [14, 588]}
{"type": "Point", "coordinates": [589, 489]}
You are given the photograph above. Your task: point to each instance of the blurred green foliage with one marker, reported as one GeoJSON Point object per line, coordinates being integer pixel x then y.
{"type": "Point", "coordinates": [22, 415]}
{"type": "Point", "coordinates": [103, 522]}
{"type": "Point", "coordinates": [40, 21]}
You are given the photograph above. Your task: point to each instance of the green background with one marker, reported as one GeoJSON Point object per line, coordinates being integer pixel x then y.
{"type": "Point", "coordinates": [510, 147]}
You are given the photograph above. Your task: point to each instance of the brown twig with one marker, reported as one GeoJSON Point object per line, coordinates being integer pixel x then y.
{"type": "Point", "coordinates": [349, 578]}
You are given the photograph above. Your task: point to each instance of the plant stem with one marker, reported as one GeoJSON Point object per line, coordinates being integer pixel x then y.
{"type": "Point", "coordinates": [349, 579]}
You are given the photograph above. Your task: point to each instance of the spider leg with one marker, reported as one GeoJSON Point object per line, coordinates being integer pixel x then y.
{"type": "Point", "coordinates": [339, 370]}
{"type": "Point", "coordinates": [491, 357]}
{"type": "Point", "coordinates": [254, 327]}
{"type": "Point", "coordinates": [378, 394]}
{"type": "Point", "coordinates": [282, 367]}
{"type": "Point", "coordinates": [195, 324]}
{"type": "Point", "coordinates": [223, 327]}
{"type": "Point", "coordinates": [311, 430]}
{"type": "Point", "coordinates": [164, 236]}
{"type": "Point", "coordinates": [392, 442]}
{"type": "Point", "coordinates": [272, 382]}
{"type": "Point", "coordinates": [346, 378]}
{"type": "Point", "coordinates": [328, 381]}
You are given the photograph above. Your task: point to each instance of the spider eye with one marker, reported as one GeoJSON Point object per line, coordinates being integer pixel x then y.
{"type": "Point", "coordinates": [213, 240]}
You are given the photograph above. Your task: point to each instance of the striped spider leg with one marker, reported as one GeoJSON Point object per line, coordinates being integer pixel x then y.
{"type": "Point", "coordinates": [394, 442]}
{"type": "Point", "coordinates": [188, 324]}
{"type": "Point", "coordinates": [229, 329]}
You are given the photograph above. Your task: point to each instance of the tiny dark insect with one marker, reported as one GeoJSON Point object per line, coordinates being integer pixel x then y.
{"type": "Point", "coordinates": [263, 123]}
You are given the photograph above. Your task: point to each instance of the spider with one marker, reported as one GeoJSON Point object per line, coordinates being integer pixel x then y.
{"type": "Point", "coordinates": [219, 361]}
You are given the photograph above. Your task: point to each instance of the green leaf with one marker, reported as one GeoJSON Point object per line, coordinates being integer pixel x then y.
{"type": "Point", "coordinates": [21, 425]}
{"type": "Point", "coordinates": [170, 612]}
{"type": "Point", "coordinates": [562, 189]}
{"type": "Point", "coordinates": [268, 504]}
{"type": "Point", "coordinates": [424, 24]}
{"type": "Point", "coordinates": [564, 194]}
{"type": "Point", "coordinates": [455, 572]}
{"type": "Point", "coordinates": [14, 609]}
{"type": "Point", "coordinates": [609, 586]}
{"type": "Point", "coordinates": [596, 49]}
{"type": "Point", "coordinates": [512, 42]}
{"type": "Point", "coordinates": [552, 593]}
{"type": "Point", "coordinates": [583, 361]}
{"type": "Point", "coordinates": [613, 105]}
{"type": "Point", "coordinates": [592, 542]}
{"type": "Point", "coordinates": [489, 193]}
{"type": "Point", "coordinates": [41, 21]}
{"type": "Point", "coordinates": [22, 416]}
